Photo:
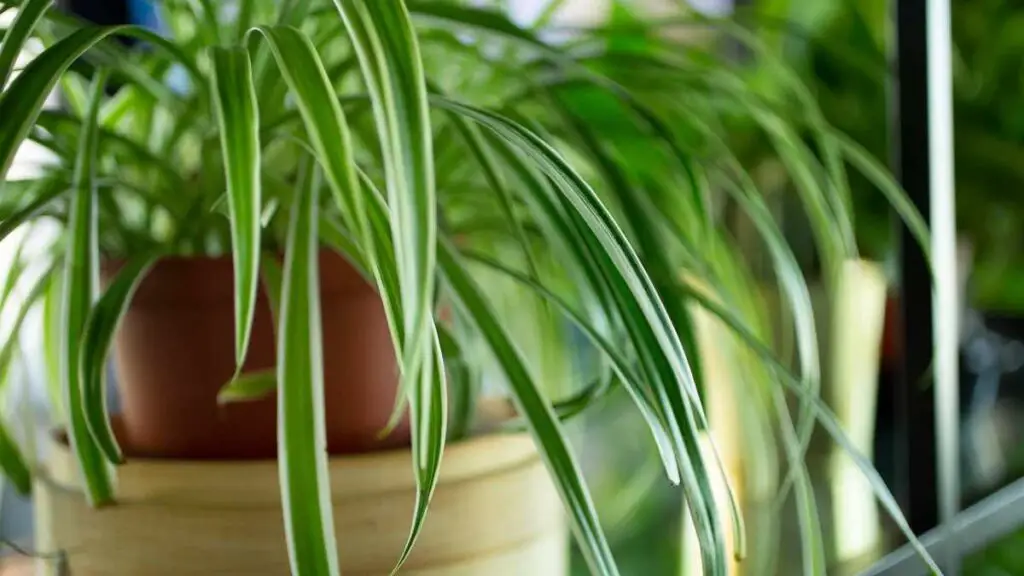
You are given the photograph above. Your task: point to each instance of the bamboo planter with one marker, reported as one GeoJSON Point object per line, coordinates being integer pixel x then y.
{"type": "Point", "coordinates": [495, 512]}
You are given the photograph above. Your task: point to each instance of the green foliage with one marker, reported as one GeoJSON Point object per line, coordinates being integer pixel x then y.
{"type": "Point", "coordinates": [840, 51]}
{"type": "Point", "coordinates": [601, 161]}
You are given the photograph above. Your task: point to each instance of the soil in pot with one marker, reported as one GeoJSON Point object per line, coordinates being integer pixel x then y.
{"type": "Point", "coordinates": [175, 350]}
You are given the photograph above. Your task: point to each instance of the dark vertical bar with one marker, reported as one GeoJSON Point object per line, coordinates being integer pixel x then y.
{"type": "Point", "coordinates": [915, 399]}
{"type": "Point", "coordinates": [106, 12]}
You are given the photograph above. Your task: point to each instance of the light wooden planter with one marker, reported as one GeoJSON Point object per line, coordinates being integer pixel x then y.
{"type": "Point", "coordinates": [495, 512]}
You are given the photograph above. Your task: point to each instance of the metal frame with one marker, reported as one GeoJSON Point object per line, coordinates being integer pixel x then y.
{"type": "Point", "coordinates": [927, 416]}
{"type": "Point", "coordinates": [984, 523]}
{"type": "Point", "coordinates": [914, 405]}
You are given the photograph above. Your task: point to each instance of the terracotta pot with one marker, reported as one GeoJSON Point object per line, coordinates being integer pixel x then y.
{"type": "Point", "coordinates": [175, 350]}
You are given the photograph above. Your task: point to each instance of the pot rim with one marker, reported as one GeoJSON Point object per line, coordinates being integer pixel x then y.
{"type": "Point", "coordinates": [488, 451]}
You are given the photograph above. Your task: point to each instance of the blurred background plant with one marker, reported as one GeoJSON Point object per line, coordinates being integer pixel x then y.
{"type": "Point", "coordinates": [840, 49]}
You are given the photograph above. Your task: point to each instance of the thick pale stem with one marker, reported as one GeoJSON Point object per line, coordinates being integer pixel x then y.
{"type": "Point", "coordinates": [856, 319]}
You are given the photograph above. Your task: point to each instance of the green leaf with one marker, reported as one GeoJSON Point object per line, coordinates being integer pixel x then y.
{"type": "Point", "coordinates": [672, 389]}
{"type": "Point", "coordinates": [330, 140]}
{"type": "Point", "coordinates": [463, 383]}
{"type": "Point", "coordinates": [56, 121]}
{"type": "Point", "coordinates": [208, 21]}
{"type": "Point", "coordinates": [427, 399]}
{"type": "Point", "coordinates": [428, 421]}
{"type": "Point", "coordinates": [81, 284]}
{"type": "Point", "coordinates": [302, 438]}
{"type": "Point", "coordinates": [248, 387]}
{"type": "Point", "coordinates": [21, 102]}
{"type": "Point", "coordinates": [741, 188]}
{"type": "Point", "coordinates": [29, 14]}
{"type": "Point", "coordinates": [328, 132]}
{"type": "Point", "coordinates": [273, 280]}
{"type": "Point", "coordinates": [51, 344]}
{"type": "Point", "coordinates": [811, 542]}
{"type": "Point", "coordinates": [620, 365]}
{"type": "Point", "coordinates": [544, 427]}
{"type": "Point", "coordinates": [326, 127]}
{"type": "Point", "coordinates": [389, 57]}
{"type": "Point", "coordinates": [14, 273]}
{"type": "Point", "coordinates": [99, 334]}
{"type": "Point", "coordinates": [244, 19]}
{"type": "Point", "coordinates": [484, 156]}
{"type": "Point", "coordinates": [875, 172]}
{"type": "Point", "coordinates": [793, 285]}
{"type": "Point", "coordinates": [635, 208]}
{"type": "Point", "coordinates": [236, 109]}
{"type": "Point", "coordinates": [12, 461]}
{"type": "Point", "coordinates": [831, 424]}
{"type": "Point", "coordinates": [41, 192]}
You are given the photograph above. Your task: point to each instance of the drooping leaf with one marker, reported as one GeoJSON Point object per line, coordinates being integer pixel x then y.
{"type": "Point", "coordinates": [621, 366]}
{"type": "Point", "coordinates": [544, 427]}
{"type": "Point", "coordinates": [427, 399]}
{"type": "Point", "coordinates": [388, 52]}
{"type": "Point", "coordinates": [235, 106]}
{"type": "Point", "coordinates": [22, 101]}
{"type": "Point", "coordinates": [369, 241]}
{"type": "Point", "coordinates": [671, 385]}
{"type": "Point", "coordinates": [484, 156]}
{"type": "Point", "coordinates": [99, 332]}
{"type": "Point", "coordinates": [81, 285]}
{"type": "Point", "coordinates": [302, 436]}
{"type": "Point", "coordinates": [875, 172]}
{"type": "Point", "coordinates": [248, 387]}
{"type": "Point", "coordinates": [567, 238]}
{"type": "Point", "coordinates": [428, 422]}
{"type": "Point", "coordinates": [322, 116]}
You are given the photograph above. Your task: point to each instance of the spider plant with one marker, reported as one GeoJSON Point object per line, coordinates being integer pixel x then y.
{"type": "Point", "coordinates": [421, 140]}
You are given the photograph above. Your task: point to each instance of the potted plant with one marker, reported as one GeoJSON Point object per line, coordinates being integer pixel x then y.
{"type": "Point", "coordinates": [310, 153]}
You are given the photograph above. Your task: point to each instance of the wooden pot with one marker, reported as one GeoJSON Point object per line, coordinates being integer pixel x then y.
{"type": "Point", "coordinates": [495, 512]}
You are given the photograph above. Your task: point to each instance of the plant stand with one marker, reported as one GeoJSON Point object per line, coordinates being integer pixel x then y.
{"type": "Point", "coordinates": [495, 512]}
